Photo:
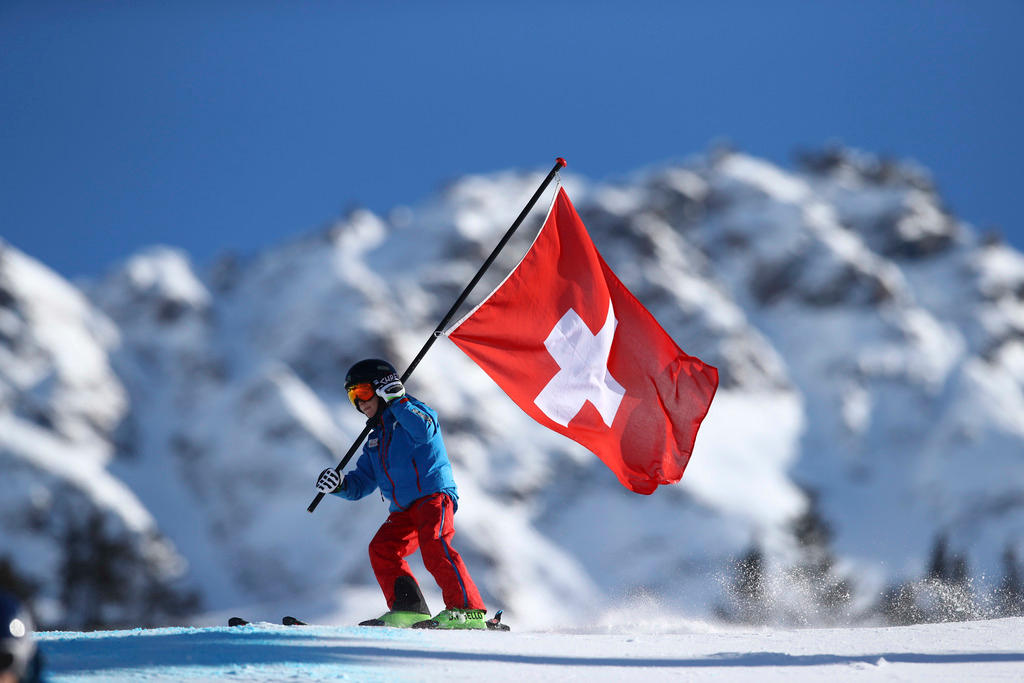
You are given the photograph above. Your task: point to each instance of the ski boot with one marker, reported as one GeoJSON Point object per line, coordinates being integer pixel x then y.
{"type": "Point", "coordinates": [456, 618]}
{"type": "Point", "coordinates": [396, 619]}
{"type": "Point", "coordinates": [408, 608]}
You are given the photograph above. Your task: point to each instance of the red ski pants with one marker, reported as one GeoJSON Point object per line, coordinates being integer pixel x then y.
{"type": "Point", "coordinates": [427, 524]}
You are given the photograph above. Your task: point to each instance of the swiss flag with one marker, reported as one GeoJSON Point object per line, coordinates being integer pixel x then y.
{"type": "Point", "coordinates": [576, 351]}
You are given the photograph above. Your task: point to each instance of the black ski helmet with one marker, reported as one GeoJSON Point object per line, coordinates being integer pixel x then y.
{"type": "Point", "coordinates": [17, 641]}
{"type": "Point", "coordinates": [368, 370]}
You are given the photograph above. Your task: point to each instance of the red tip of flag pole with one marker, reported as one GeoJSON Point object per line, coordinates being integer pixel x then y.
{"type": "Point", "coordinates": [561, 162]}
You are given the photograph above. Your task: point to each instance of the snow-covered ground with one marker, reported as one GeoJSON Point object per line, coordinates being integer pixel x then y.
{"type": "Point", "coordinates": [966, 651]}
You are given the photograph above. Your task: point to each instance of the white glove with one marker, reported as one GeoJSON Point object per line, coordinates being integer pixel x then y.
{"type": "Point", "coordinates": [329, 481]}
{"type": "Point", "coordinates": [389, 388]}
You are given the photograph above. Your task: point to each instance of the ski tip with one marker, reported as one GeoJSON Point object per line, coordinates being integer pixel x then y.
{"type": "Point", "coordinates": [237, 621]}
{"type": "Point", "coordinates": [292, 621]}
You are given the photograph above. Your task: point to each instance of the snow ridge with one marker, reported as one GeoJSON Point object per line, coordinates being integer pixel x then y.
{"type": "Point", "coordinates": [870, 418]}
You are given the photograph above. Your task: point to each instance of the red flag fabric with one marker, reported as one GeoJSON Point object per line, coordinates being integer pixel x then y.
{"type": "Point", "coordinates": [578, 353]}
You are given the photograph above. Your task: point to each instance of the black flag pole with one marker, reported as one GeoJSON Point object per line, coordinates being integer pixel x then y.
{"type": "Point", "coordinates": [439, 330]}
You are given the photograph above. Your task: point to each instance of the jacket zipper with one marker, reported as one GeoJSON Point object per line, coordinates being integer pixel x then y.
{"type": "Point", "coordinates": [418, 487]}
{"type": "Point", "coordinates": [385, 439]}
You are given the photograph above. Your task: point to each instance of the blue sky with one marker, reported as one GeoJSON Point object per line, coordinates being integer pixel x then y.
{"type": "Point", "coordinates": [235, 125]}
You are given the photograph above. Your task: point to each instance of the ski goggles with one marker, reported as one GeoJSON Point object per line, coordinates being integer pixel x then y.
{"type": "Point", "coordinates": [363, 392]}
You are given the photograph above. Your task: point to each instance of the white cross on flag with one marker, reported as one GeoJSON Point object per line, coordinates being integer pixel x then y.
{"type": "Point", "coordinates": [576, 351]}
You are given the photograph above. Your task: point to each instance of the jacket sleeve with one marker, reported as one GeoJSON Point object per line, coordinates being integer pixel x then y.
{"type": "Point", "coordinates": [420, 423]}
{"type": "Point", "coordinates": [360, 482]}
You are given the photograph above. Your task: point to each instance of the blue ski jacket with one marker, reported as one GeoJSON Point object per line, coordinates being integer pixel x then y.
{"type": "Point", "coordinates": [404, 456]}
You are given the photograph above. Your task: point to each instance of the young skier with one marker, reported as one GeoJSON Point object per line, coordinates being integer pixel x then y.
{"type": "Point", "coordinates": [405, 458]}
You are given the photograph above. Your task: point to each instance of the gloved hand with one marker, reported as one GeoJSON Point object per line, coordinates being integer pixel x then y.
{"type": "Point", "coordinates": [329, 481]}
{"type": "Point", "coordinates": [389, 388]}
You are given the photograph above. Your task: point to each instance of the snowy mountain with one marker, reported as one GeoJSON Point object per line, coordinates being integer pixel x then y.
{"type": "Point", "coordinates": [863, 459]}
{"type": "Point", "coordinates": [74, 534]}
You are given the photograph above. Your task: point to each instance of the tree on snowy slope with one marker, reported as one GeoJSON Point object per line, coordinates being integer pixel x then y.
{"type": "Point", "coordinates": [1010, 593]}
{"type": "Point", "coordinates": [810, 591]}
{"type": "Point", "coordinates": [105, 582]}
{"type": "Point", "coordinates": [943, 594]}
{"type": "Point", "coordinates": [746, 594]}
{"type": "Point", "coordinates": [11, 581]}
{"type": "Point", "coordinates": [827, 595]}
{"type": "Point", "coordinates": [947, 588]}
{"type": "Point", "coordinates": [898, 605]}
